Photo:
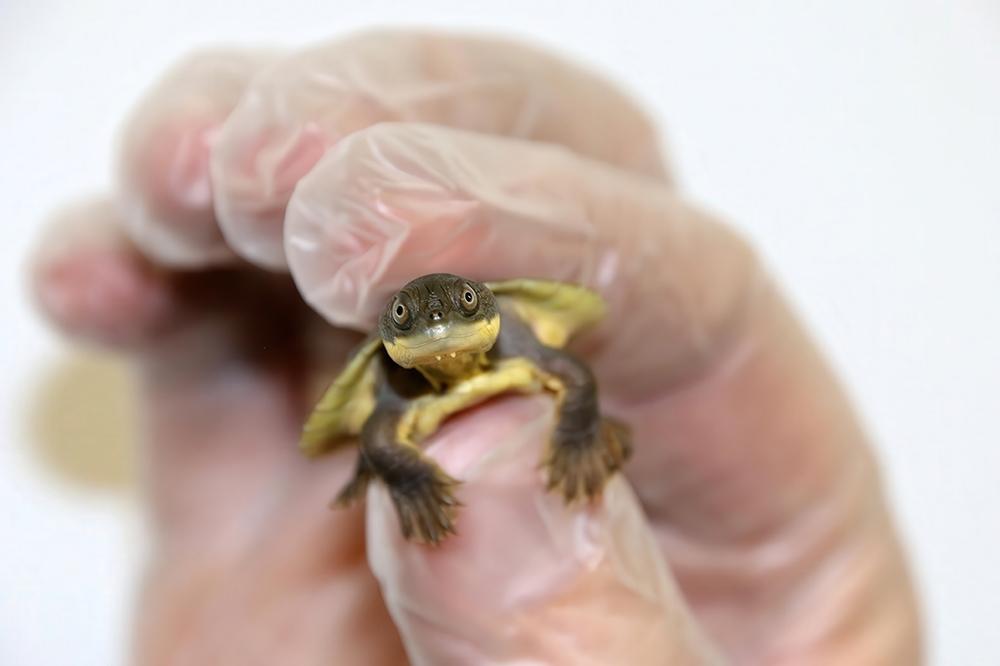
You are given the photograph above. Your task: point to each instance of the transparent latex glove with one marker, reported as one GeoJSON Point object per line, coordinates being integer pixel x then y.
{"type": "Point", "coordinates": [751, 527]}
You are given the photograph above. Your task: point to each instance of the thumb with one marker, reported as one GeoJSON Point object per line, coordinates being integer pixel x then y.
{"type": "Point", "coordinates": [528, 580]}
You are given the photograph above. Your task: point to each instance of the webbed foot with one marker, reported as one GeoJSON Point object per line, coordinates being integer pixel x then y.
{"type": "Point", "coordinates": [425, 503]}
{"type": "Point", "coordinates": [580, 463]}
{"type": "Point", "coordinates": [356, 487]}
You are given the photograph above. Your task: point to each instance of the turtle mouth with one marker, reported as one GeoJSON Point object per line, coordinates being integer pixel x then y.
{"type": "Point", "coordinates": [442, 342]}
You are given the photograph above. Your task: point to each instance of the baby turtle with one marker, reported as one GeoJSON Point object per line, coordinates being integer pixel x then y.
{"type": "Point", "coordinates": [445, 343]}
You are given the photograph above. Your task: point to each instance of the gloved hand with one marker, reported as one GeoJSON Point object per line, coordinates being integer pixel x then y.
{"type": "Point", "coordinates": [751, 528]}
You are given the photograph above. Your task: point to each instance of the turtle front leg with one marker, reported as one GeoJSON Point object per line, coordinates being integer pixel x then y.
{"type": "Point", "coordinates": [586, 449]}
{"type": "Point", "coordinates": [421, 492]}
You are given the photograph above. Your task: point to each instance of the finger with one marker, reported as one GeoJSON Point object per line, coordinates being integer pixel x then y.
{"type": "Point", "coordinates": [526, 579]}
{"type": "Point", "coordinates": [745, 444]}
{"type": "Point", "coordinates": [399, 200]}
{"type": "Point", "coordinates": [94, 285]}
{"type": "Point", "coordinates": [292, 113]}
{"type": "Point", "coordinates": [166, 189]}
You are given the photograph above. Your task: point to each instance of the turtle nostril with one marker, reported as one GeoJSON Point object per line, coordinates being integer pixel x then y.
{"type": "Point", "coordinates": [436, 315]}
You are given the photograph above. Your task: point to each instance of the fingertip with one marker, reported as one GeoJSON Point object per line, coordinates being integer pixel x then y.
{"type": "Point", "coordinates": [289, 117]}
{"type": "Point", "coordinates": [164, 162]}
{"type": "Point", "coordinates": [92, 284]}
{"type": "Point", "coordinates": [256, 164]}
{"type": "Point", "coordinates": [166, 190]}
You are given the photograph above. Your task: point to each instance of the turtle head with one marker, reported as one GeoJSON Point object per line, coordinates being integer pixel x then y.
{"type": "Point", "coordinates": [440, 321]}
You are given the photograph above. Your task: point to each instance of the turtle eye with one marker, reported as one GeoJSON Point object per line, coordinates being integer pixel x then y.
{"type": "Point", "coordinates": [400, 314]}
{"type": "Point", "coordinates": [469, 299]}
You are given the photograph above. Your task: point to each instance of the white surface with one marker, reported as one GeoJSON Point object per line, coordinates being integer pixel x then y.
{"type": "Point", "coordinates": [857, 142]}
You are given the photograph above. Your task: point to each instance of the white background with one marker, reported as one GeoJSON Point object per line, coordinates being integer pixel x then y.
{"type": "Point", "coordinates": [857, 142]}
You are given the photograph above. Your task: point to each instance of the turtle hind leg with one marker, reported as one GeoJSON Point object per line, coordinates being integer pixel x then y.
{"type": "Point", "coordinates": [421, 492]}
{"type": "Point", "coordinates": [355, 489]}
{"type": "Point", "coordinates": [585, 449]}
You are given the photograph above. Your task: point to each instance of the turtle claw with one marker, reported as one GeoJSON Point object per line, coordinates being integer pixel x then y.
{"type": "Point", "coordinates": [355, 489]}
{"type": "Point", "coordinates": [579, 466]}
{"type": "Point", "coordinates": [426, 505]}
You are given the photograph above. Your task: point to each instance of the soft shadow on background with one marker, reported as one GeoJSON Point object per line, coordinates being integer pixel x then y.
{"type": "Point", "coordinates": [81, 422]}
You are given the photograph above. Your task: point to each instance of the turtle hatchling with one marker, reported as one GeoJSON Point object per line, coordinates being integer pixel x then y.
{"type": "Point", "coordinates": [443, 344]}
